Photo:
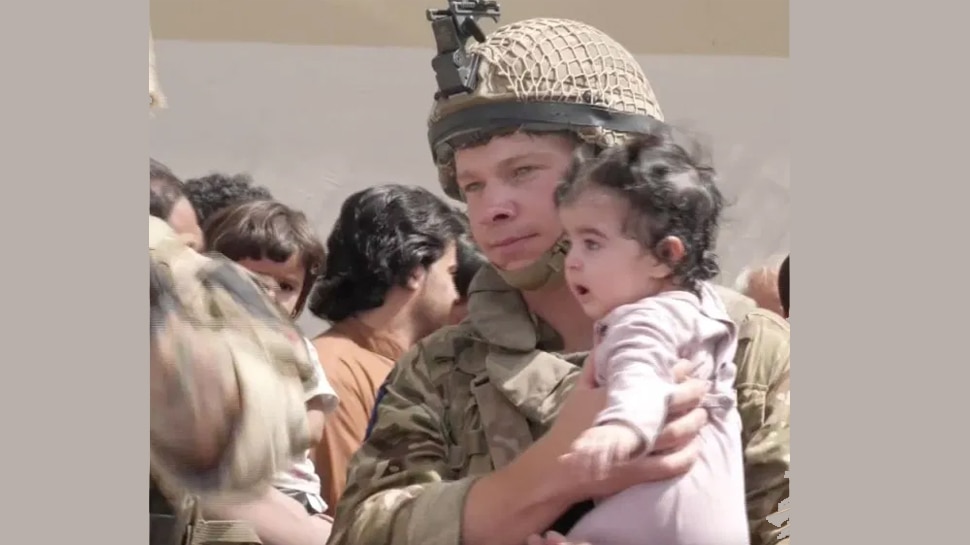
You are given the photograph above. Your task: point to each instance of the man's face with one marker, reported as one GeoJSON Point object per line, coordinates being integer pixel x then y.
{"type": "Point", "coordinates": [436, 294]}
{"type": "Point", "coordinates": [509, 186]}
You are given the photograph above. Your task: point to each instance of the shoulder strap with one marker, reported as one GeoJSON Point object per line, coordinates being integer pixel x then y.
{"type": "Point", "coordinates": [184, 525]}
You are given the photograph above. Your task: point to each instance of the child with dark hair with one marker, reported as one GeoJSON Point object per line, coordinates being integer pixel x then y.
{"type": "Point", "coordinates": [167, 201]}
{"type": "Point", "coordinates": [641, 220]}
{"type": "Point", "coordinates": [279, 246]}
{"type": "Point", "coordinates": [470, 260]}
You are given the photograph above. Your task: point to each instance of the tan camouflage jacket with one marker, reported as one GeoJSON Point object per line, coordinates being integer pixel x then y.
{"type": "Point", "coordinates": [764, 401]}
{"type": "Point", "coordinates": [265, 353]}
{"type": "Point", "coordinates": [463, 402]}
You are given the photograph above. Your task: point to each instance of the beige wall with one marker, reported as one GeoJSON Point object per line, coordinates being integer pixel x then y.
{"type": "Point", "coordinates": [315, 123]}
{"type": "Point", "coordinates": [660, 27]}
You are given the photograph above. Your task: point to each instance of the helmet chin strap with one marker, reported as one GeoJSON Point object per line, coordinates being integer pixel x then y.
{"type": "Point", "coordinates": [549, 267]}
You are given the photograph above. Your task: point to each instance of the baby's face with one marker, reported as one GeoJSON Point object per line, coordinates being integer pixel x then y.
{"type": "Point", "coordinates": [605, 268]}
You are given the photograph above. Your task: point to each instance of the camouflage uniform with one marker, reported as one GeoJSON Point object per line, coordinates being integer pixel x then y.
{"type": "Point", "coordinates": [203, 307]}
{"type": "Point", "coordinates": [470, 398]}
{"type": "Point", "coordinates": [764, 401]}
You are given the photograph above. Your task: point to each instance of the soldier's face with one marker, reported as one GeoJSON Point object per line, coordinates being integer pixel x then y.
{"type": "Point", "coordinates": [509, 186]}
{"type": "Point", "coordinates": [287, 278]}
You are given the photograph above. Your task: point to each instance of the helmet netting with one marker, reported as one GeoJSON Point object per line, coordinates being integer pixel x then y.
{"type": "Point", "coordinates": [555, 60]}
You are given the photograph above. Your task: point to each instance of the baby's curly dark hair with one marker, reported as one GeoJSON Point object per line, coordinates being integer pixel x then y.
{"type": "Point", "coordinates": [212, 193]}
{"type": "Point", "coordinates": [671, 192]}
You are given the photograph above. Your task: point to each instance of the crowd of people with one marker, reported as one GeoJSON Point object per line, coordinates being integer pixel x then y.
{"type": "Point", "coordinates": [552, 364]}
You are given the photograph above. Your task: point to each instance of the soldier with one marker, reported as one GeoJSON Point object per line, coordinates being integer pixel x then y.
{"type": "Point", "coordinates": [226, 397]}
{"type": "Point", "coordinates": [465, 440]}
{"type": "Point", "coordinates": [226, 367]}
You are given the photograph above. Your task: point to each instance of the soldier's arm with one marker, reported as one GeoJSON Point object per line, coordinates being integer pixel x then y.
{"type": "Point", "coordinates": [764, 365]}
{"type": "Point", "coordinates": [224, 419]}
{"type": "Point", "coordinates": [194, 397]}
{"type": "Point", "coordinates": [400, 489]}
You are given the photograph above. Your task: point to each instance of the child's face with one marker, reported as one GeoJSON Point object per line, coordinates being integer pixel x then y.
{"type": "Point", "coordinates": [289, 278]}
{"type": "Point", "coordinates": [605, 268]}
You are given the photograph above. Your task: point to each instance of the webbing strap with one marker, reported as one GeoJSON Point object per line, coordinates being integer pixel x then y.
{"type": "Point", "coordinates": [223, 532]}
{"type": "Point", "coordinates": [219, 532]}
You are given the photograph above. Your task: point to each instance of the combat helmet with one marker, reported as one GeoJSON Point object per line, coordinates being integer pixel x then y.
{"type": "Point", "coordinates": [536, 75]}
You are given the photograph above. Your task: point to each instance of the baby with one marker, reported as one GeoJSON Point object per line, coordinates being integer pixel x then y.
{"type": "Point", "coordinates": [641, 220]}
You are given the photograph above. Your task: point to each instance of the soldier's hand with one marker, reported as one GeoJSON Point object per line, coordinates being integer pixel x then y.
{"type": "Point", "coordinates": [676, 448]}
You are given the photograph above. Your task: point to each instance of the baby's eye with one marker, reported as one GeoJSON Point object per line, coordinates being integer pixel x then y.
{"type": "Point", "coordinates": [590, 244]}
{"type": "Point", "coordinates": [286, 287]}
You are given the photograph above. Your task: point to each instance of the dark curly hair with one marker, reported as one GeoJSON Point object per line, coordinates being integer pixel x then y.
{"type": "Point", "coordinates": [164, 190]}
{"type": "Point", "coordinates": [212, 193]}
{"type": "Point", "coordinates": [267, 230]}
{"type": "Point", "coordinates": [671, 192]}
{"type": "Point", "coordinates": [381, 236]}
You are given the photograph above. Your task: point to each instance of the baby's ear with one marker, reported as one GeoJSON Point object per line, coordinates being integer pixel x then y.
{"type": "Point", "coordinates": [669, 251]}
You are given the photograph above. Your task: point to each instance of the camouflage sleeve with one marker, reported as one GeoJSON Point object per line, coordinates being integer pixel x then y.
{"type": "Point", "coordinates": [398, 488]}
{"type": "Point", "coordinates": [227, 410]}
{"type": "Point", "coordinates": [764, 400]}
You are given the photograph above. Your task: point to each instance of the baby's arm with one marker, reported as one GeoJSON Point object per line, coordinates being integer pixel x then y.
{"type": "Point", "coordinates": [320, 397]}
{"type": "Point", "coordinates": [639, 351]}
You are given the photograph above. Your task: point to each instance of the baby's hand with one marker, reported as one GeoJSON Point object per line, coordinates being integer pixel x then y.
{"type": "Point", "coordinates": [601, 447]}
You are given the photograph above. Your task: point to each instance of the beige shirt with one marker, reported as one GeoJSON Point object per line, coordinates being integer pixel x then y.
{"type": "Point", "coordinates": [356, 360]}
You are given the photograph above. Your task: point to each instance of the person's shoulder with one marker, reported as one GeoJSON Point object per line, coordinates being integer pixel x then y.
{"type": "Point", "coordinates": [332, 342]}
{"type": "Point", "coordinates": [334, 350]}
{"type": "Point", "coordinates": [765, 325]}
{"type": "Point", "coordinates": [442, 347]}
{"type": "Point", "coordinates": [764, 348]}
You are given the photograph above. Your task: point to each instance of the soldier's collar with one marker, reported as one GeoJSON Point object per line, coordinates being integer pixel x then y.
{"type": "Point", "coordinates": [499, 314]}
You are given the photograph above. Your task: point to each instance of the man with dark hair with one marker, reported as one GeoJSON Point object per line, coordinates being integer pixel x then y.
{"type": "Point", "coordinates": [212, 193]}
{"type": "Point", "coordinates": [167, 201]}
{"type": "Point", "coordinates": [388, 282]}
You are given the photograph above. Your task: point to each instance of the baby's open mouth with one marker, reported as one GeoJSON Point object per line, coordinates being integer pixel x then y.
{"type": "Point", "coordinates": [581, 290]}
